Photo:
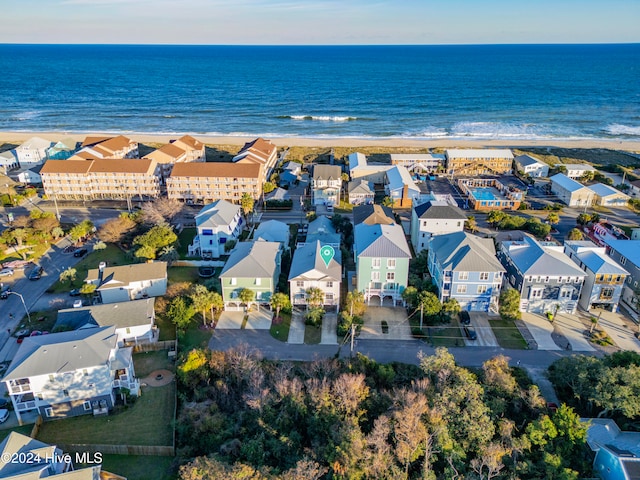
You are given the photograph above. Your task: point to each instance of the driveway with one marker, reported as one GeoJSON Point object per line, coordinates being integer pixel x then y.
{"type": "Point", "coordinates": [296, 330]}
{"type": "Point", "coordinates": [573, 329]}
{"type": "Point", "coordinates": [259, 319]}
{"type": "Point", "coordinates": [329, 327]}
{"type": "Point", "coordinates": [541, 330]}
{"type": "Point", "coordinates": [620, 330]}
{"type": "Point", "coordinates": [230, 321]}
{"type": "Point", "coordinates": [486, 337]}
{"type": "Point", "coordinates": [396, 319]}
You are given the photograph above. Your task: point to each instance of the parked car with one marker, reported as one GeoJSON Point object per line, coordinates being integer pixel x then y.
{"type": "Point", "coordinates": [465, 318]}
{"type": "Point", "coordinates": [22, 334]}
{"type": "Point", "coordinates": [4, 291]}
{"type": "Point", "coordinates": [77, 304]}
{"type": "Point", "coordinates": [6, 272]}
{"type": "Point", "coordinates": [75, 292]}
{"type": "Point", "coordinates": [36, 273]}
{"type": "Point", "coordinates": [80, 252]}
{"type": "Point", "coordinates": [4, 402]}
{"type": "Point", "coordinates": [4, 415]}
{"type": "Point", "coordinates": [470, 332]}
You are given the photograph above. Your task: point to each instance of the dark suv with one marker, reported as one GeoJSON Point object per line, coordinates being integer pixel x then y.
{"type": "Point", "coordinates": [36, 273]}
{"type": "Point", "coordinates": [465, 319]}
{"type": "Point", "coordinates": [470, 333]}
{"type": "Point", "coordinates": [4, 291]}
{"type": "Point", "coordinates": [80, 252]}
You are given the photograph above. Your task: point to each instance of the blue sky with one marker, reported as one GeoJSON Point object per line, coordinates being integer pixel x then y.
{"type": "Point", "coordinates": [257, 22]}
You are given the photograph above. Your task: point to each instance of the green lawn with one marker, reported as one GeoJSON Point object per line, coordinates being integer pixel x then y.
{"type": "Point", "coordinates": [185, 238]}
{"type": "Point", "coordinates": [312, 335]}
{"type": "Point", "coordinates": [42, 321]}
{"type": "Point", "coordinates": [280, 331]}
{"type": "Point", "coordinates": [147, 422]}
{"type": "Point", "coordinates": [24, 429]}
{"type": "Point", "coordinates": [182, 274]}
{"type": "Point", "coordinates": [147, 362]}
{"type": "Point", "coordinates": [507, 334]}
{"type": "Point", "coordinates": [139, 467]}
{"type": "Point", "coordinates": [446, 335]}
{"type": "Point", "coordinates": [167, 328]}
{"type": "Point", "coordinates": [112, 255]}
{"type": "Point", "coordinates": [193, 338]}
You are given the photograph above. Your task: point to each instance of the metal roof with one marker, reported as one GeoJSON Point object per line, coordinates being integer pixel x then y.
{"type": "Point", "coordinates": [600, 263]}
{"type": "Point", "coordinates": [41, 455]}
{"type": "Point", "coordinates": [273, 231]}
{"type": "Point", "coordinates": [439, 209]}
{"type": "Point", "coordinates": [566, 182]}
{"type": "Point", "coordinates": [603, 190]}
{"type": "Point", "coordinates": [123, 275]}
{"type": "Point", "coordinates": [532, 258]}
{"type": "Point", "coordinates": [527, 160]}
{"type": "Point", "coordinates": [384, 241]}
{"type": "Point", "coordinates": [216, 214]}
{"type": "Point", "coordinates": [630, 249]}
{"type": "Point", "coordinates": [461, 251]}
{"type": "Point", "coordinates": [121, 315]}
{"type": "Point", "coordinates": [252, 260]}
{"type": "Point", "coordinates": [62, 352]}
{"type": "Point", "coordinates": [308, 264]}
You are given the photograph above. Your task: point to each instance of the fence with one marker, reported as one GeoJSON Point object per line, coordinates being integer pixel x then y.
{"type": "Point", "coordinates": [155, 346]}
{"type": "Point", "coordinates": [36, 427]}
{"type": "Point", "coordinates": [148, 450]}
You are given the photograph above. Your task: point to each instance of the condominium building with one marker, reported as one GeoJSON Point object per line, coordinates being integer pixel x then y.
{"type": "Point", "coordinates": [205, 182]}
{"type": "Point", "coordinates": [101, 179]}
{"type": "Point", "coordinates": [479, 161]}
{"type": "Point", "coordinates": [110, 147]}
{"type": "Point", "coordinates": [185, 149]}
{"type": "Point", "coordinates": [260, 152]}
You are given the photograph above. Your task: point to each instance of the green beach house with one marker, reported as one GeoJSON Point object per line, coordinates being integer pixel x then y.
{"type": "Point", "coordinates": [254, 266]}
{"type": "Point", "coordinates": [382, 256]}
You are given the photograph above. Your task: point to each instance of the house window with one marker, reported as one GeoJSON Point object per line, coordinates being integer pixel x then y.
{"type": "Point", "coordinates": [329, 284]}
{"type": "Point", "coordinates": [623, 261]}
{"type": "Point", "coordinates": [565, 294]}
{"type": "Point", "coordinates": [461, 289]}
{"type": "Point", "coordinates": [536, 293]}
{"type": "Point", "coordinates": [128, 330]}
{"type": "Point", "coordinates": [87, 406]}
{"type": "Point", "coordinates": [529, 278]}
{"type": "Point", "coordinates": [234, 281]}
{"type": "Point", "coordinates": [546, 279]}
{"type": "Point", "coordinates": [391, 276]}
{"type": "Point", "coordinates": [65, 392]}
{"type": "Point", "coordinates": [51, 379]}
{"type": "Point", "coordinates": [463, 275]}
{"type": "Point", "coordinates": [85, 372]}
{"type": "Point", "coordinates": [39, 396]}
{"type": "Point", "coordinates": [606, 293]}
{"type": "Point", "coordinates": [48, 412]}
{"type": "Point", "coordinates": [300, 283]}
{"type": "Point", "coordinates": [375, 263]}
{"type": "Point", "coordinates": [482, 288]}
{"type": "Point", "coordinates": [391, 263]}
{"type": "Point", "coordinates": [560, 279]}
{"type": "Point", "coordinates": [375, 276]}
{"type": "Point", "coordinates": [484, 275]}
{"type": "Point", "coordinates": [258, 281]}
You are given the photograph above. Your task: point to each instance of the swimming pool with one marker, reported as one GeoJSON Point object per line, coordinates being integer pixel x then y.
{"type": "Point", "coordinates": [486, 193]}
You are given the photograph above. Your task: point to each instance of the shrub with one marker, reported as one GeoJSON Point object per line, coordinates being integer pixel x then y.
{"type": "Point", "coordinates": [314, 316]}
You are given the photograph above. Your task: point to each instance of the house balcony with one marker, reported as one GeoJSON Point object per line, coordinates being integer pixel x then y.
{"type": "Point", "coordinates": [17, 387]}
{"type": "Point", "coordinates": [25, 402]}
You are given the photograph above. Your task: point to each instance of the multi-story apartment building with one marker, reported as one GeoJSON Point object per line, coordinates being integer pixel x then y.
{"type": "Point", "coordinates": [260, 152]}
{"type": "Point", "coordinates": [325, 184]}
{"type": "Point", "coordinates": [419, 162]}
{"type": "Point", "coordinates": [547, 279]}
{"type": "Point", "coordinates": [605, 278]}
{"type": "Point", "coordinates": [111, 147]}
{"type": "Point", "coordinates": [101, 179]}
{"type": "Point", "coordinates": [195, 148]}
{"type": "Point", "coordinates": [464, 267]}
{"type": "Point", "coordinates": [479, 161]}
{"type": "Point", "coordinates": [184, 149]}
{"type": "Point", "coordinates": [206, 182]}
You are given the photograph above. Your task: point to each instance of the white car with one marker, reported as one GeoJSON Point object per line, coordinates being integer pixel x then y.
{"type": "Point", "coordinates": [6, 272]}
{"type": "Point", "coordinates": [77, 304]}
{"type": "Point", "coordinates": [4, 415]}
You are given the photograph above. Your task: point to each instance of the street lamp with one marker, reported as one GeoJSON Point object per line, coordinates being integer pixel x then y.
{"type": "Point", "coordinates": [23, 304]}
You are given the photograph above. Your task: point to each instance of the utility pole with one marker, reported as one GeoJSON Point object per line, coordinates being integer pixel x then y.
{"type": "Point", "coordinates": [421, 315]}
{"type": "Point", "coordinates": [55, 202]}
{"type": "Point", "coordinates": [353, 334]}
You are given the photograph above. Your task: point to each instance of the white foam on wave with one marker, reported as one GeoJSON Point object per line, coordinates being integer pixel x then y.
{"type": "Point", "coordinates": [323, 118]}
{"type": "Point", "coordinates": [618, 129]}
{"type": "Point", "coordinates": [29, 115]}
{"type": "Point", "coordinates": [498, 130]}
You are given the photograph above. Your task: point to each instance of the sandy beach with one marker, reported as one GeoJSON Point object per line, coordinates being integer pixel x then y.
{"type": "Point", "coordinates": [623, 145]}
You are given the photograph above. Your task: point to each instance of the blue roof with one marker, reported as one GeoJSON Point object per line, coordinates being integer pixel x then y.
{"type": "Point", "coordinates": [630, 249]}
{"type": "Point", "coordinates": [567, 183]}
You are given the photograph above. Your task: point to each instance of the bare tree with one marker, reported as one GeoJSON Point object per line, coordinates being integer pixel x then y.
{"type": "Point", "coordinates": [161, 210]}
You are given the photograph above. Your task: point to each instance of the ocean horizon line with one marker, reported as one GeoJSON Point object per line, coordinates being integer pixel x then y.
{"type": "Point", "coordinates": [533, 44]}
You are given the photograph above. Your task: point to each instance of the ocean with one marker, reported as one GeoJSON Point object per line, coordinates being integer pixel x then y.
{"type": "Point", "coordinates": [418, 92]}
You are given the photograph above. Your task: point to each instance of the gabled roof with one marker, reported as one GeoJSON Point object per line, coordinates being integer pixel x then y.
{"type": "Point", "coordinates": [602, 190]}
{"type": "Point", "coordinates": [384, 241]}
{"type": "Point", "coordinates": [65, 166]}
{"type": "Point", "coordinates": [600, 263]}
{"type": "Point", "coordinates": [356, 160]}
{"type": "Point", "coordinates": [463, 252]}
{"type": "Point", "coordinates": [327, 172]}
{"type": "Point", "coordinates": [292, 166]}
{"type": "Point", "coordinates": [273, 231]}
{"type": "Point", "coordinates": [630, 249]}
{"type": "Point", "coordinates": [258, 151]}
{"type": "Point", "coordinates": [62, 352]}
{"type": "Point", "coordinates": [322, 229]}
{"type": "Point", "coordinates": [577, 166]}
{"type": "Point", "coordinates": [252, 260]}
{"type": "Point", "coordinates": [308, 264]}
{"type": "Point", "coordinates": [16, 445]}
{"type": "Point", "coordinates": [216, 214]}
{"type": "Point", "coordinates": [373, 214]}
{"type": "Point", "coordinates": [114, 144]}
{"type": "Point", "coordinates": [35, 143]}
{"type": "Point", "coordinates": [398, 177]}
{"type": "Point", "coordinates": [123, 275]}
{"type": "Point", "coordinates": [168, 151]}
{"type": "Point", "coordinates": [120, 315]}
{"type": "Point", "coordinates": [532, 258]}
{"type": "Point", "coordinates": [361, 186]}
{"type": "Point", "coordinates": [567, 183]}
{"type": "Point", "coordinates": [215, 170]}
{"type": "Point", "coordinates": [439, 209]}
{"type": "Point", "coordinates": [190, 142]}
{"type": "Point", "coordinates": [472, 153]}
{"type": "Point", "coordinates": [527, 160]}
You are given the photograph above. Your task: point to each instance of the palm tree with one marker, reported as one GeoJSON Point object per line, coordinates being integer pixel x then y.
{"type": "Point", "coordinates": [451, 307]}
{"type": "Point", "coordinates": [553, 218]}
{"type": "Point", "coordinates": [315, 297]}
{"type": "Point", "coordinates": [217, 304]}
{"type": "Point", "coordinates": [471, 223]}
{"type": "Point", "coordinates": [246, 296]}
{"type": "Point", "coordinates": [201, 300]}
{"type": "Point", "coordinates": [247, 202]}
{"type": "Point", "coordinates": [279, 301]}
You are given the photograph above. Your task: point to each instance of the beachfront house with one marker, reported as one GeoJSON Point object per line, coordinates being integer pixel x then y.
{"type": "Point", "coordinates": [326, 183]}
{"type": "Point", "coordinates": [571, 192]}
{"type": "Point", "coordinates": [309, 270]}
{"type": "Point", "coordinates": [434, 218]}
{"type": "Point", "coordinates": [531, 166]}
{"type": "Point", "coordinates": [576, 170]}
{"type": "Point", "coordinates": [216, 224]}
{"type": "Point", "coordinates": [62, 149]}
{"type": "Point", "coordinates": [400, 187]}
{"type": "Point", "coordinates": [134, 321]}
{"type": "Point", "coordinates": [290, 174]}
{"type": "Point", "coordinates": [626, 253]}
{"type": "Point", "coordinates": [463, 266]}
{"type": "Point", "coordinates": [254, 266]}
{"type": "Point", "coordinates": [419, 162]}
{"type": "Point", "coordinates": [128, 282]}
{"type": "Point", "coordinates": [547, 279]}
{"type": "Point", "coordinates": [605, 279]}
{"type": "Point", "coordinates": [607, 196]}
{"type": "Point", "coordinates": [360, 168]}
{"type": "Point", "coordinates": [72, 373]}
{"type": "Point", "coordinates": [32, 152]}
{"type": "Point", "coordinates": [381, 255]}
{"type": "Point", "coordinates": [485, 161]}
{"type": "Point", "coordinates": [360, 192]}
{"type": "Point", "coordinates": [8, 161]}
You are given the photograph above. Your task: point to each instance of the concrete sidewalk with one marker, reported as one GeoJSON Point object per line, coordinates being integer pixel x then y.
{"type": "Point", "coordinates": [573, 329]}
{"type": "Point", "coordinates": [329, 327]}
{"type": "Point", "coordinates": [296, 330]}
{"type": "Point", "coordinates": [621, 330]}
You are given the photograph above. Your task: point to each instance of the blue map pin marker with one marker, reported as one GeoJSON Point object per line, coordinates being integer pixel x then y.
{"type": "Point", "coordinates": [327, 253]}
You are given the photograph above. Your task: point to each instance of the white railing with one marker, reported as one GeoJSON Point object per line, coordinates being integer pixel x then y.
{"type": "Point", "coordinates": [22, 406]}
{"type": "Point", "coordinates": [20, 388]}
